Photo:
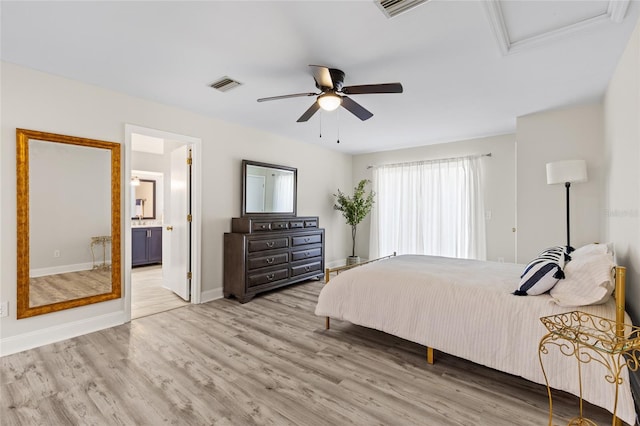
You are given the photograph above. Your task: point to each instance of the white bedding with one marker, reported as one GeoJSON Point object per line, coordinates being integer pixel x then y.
{"type": "Point", "coordinates": [465, 308]}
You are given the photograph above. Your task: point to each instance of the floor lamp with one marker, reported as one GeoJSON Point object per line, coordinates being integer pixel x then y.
{"type": "Point", "coordinates": [567, 172]}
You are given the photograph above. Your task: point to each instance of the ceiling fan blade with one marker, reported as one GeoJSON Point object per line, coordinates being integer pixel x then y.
{"type": "Point", "coordinates": [308, 113]}
{"type": "Point", "coordinates": [295, 95]}
{"type": "Point", "coordinates": [373, 88]}
{"type": "Point", "coordinates": [322, 76]}
{"type": "Point", "coordinates": [356, 109]}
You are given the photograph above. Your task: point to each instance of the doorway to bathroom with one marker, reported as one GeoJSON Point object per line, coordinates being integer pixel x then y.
{"type": "Point", "coordinates": [162, 250]}
{"type": "Point", "coordinates": [149, 291]}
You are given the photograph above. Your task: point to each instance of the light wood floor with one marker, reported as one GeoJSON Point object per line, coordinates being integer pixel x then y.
{"type": "Point", "coordinates": [148, 297]}
{"type": "Point", "coordinates": [268, 362]}
{"type": "Point", "coordinates": [68, 286]}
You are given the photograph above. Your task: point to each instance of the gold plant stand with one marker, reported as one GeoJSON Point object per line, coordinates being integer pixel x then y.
{"type": "Point", "coordinates": [591, 338]}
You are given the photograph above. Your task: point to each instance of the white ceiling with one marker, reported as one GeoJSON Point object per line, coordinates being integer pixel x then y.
{"type": "Point", "coordinates": [468, 68]}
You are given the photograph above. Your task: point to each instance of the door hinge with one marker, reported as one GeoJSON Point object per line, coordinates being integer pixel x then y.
{"type": "Point", "coordinates": [189, 161]}
{"type": "Point", "coordinates": [188, 275]}
{"type": "Point", "coordinates": [189, 218]}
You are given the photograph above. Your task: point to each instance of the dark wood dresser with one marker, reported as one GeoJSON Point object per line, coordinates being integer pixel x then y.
{"type": "Point", "coordinates": [261, 254]}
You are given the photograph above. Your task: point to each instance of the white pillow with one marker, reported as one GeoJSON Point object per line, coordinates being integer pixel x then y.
{"type": "Point", "coordinates": [588, 280]}
{"type": "Point", "coordinates": [590, 249]}
{"type": "Point", "coordinates": [542, 273]}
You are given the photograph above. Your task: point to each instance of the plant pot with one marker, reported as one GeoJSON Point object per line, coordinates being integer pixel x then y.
{"type": "Point", "coordinates": [352, 260]}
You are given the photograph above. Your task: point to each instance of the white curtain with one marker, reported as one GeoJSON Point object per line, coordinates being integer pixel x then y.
{"type": "Point", "coordinates": [429, 207]}
{"type": "Point", "coordinates": [283, 193]}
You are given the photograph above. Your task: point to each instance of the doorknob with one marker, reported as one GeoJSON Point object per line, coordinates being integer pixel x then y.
{"type": "Point", "coordinates": [169, 228]}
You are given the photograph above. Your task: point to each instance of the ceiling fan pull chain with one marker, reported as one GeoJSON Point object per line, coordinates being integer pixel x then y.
{"type": "Point", "coordinates": [338, 124]}
{"type": "Point", "coordinates": [321, 124]}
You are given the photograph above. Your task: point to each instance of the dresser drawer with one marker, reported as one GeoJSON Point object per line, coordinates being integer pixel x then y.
{"type": "Point", "coordinates": [305, 269]}
{"type": "Point", "coordinates": [306, 254]}
{"type": "Point", "coordinates": [306, 239]}
{"type": "Point", "coordinates": [267, 244]}
{"type": "Point", "coordinates": [261, 262]}
{"type": "Point", "coordinates": [260, 226]}
{"type": "Point", "coordinates": [296, 224]}
{"type": "Point", "coordinates": [267, 277]}
{"type": "Point", "coordinates": [311, 223]}
{"type": "Point", "coordinates": [277, 226]}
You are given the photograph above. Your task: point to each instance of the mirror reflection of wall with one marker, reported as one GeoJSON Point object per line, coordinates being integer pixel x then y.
{"type": "Point", "coordinates": [144, 194]}
{"type": "Point", "coordinates": [70, 204]}
{"type": "Point", "coordinates": [147, 197]}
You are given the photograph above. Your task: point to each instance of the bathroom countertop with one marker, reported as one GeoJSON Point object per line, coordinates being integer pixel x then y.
{"type": "Point", "coordinates": [145, 225]}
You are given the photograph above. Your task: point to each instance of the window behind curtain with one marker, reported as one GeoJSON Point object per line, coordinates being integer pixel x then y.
{"type": "Point", "coordinates": [431, 207]}
{"type": "Point", "coordinates": [283, 193]}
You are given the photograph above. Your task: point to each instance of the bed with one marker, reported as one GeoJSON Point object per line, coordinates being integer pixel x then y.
{"type": "Point", "coordinates": [466, 308]}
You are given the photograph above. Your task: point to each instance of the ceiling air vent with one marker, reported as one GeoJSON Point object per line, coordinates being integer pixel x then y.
{"type": "Point", "coordinates": [225, 84]}
{"type": "Point", "coordinates": [393, 8]}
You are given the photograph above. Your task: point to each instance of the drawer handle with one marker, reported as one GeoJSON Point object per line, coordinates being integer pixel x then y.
{"type": "Point", "coordinates": [270, 261]}
{"type": "Point", "coordinates": [270, 277]}
{"type": "Point", "coordinates": [270, 243]}
{"type": "Point", "coordinates": [306, 268]}
{"type": "Point", "coordinates": [306, 254]}
{"type": "Point", "coordinates": [306, 240]}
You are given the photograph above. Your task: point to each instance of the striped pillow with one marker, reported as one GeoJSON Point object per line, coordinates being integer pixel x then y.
{"type": "Point", "coordinates": [543, 272]}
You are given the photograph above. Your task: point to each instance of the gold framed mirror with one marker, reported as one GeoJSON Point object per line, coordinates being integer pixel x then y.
{"type": "Point", "coordinates": [68, 222]}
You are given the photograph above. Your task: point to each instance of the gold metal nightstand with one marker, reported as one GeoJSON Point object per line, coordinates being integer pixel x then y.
{"type": "Point", "coordinates": [102, 241]}
{"type": "Point", "coordinates": [588, 338]}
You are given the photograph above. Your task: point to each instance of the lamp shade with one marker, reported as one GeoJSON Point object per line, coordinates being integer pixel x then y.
{"type": "Point", "coordinates": [573, 171]}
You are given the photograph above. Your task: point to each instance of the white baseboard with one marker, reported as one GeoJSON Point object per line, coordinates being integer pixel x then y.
{"type": "Point", "coordinates": [335, 263]}
{"type": "Point", "coordinates": [62, 269]}
{"type": "Point", "coordinates": [13, 344]}
{"type": "Point", "coordinates": [209, 295]}
{"type": "Point", "coordinates": [341, 262]}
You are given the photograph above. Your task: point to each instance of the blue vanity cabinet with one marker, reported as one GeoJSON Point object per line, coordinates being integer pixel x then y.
{"type": "Point", "coordinates": [146, 245]}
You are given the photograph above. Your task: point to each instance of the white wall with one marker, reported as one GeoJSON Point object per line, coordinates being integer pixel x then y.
{"type": "Point", "coordinates": [565, 134]}
{"type": "Point", "coordinates": [499, 177]}
{"type": "Point", "coordinates": [38, 101]}
{"type": "Point", "coordinates": [621, 221]}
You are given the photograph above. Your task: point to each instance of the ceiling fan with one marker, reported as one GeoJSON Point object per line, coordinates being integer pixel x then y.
{"type": "Point", "coordinates": [330, 82]}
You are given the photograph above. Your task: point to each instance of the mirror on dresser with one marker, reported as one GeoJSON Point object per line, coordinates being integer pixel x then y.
{"type": "Point", "coordinates": [270, 246]}
{"type": "Point", "coordinates": [68, 222]}
{"type": "Point", "coordinates": [268, 189]}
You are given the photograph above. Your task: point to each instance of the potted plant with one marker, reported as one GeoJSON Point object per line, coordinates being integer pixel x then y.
{"type": "Point", "coordinates": [354, 209]}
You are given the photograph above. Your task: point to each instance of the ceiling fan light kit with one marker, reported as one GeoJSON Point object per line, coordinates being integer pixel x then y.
{"type": "Point", "coordinates": [329, 101]}
{"type": "Point", "coordinates": [330, 82]}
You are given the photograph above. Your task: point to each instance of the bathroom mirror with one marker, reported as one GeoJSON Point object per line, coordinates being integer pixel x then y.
{"type": "Point", "coordinates": [268, 189]}
{"type": "Point", "coordinates": [68, 222]}
{"type": "Point", "coordinates": [143, 203]}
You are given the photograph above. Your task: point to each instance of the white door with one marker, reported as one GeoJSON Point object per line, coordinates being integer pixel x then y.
{"type": "Point", "coordinates": [176, 263]}
{"type": "Point", "coordinates": [255, 194]}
